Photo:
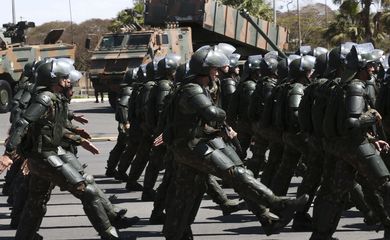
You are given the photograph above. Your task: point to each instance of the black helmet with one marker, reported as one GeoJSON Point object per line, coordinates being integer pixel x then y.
{"type": "Point", "coordinates": [268, 65]}
{"type": "Point", "coordinates": [318, 51]}
{"type": "Point", "coordinates": [28, 69]}
{"type": "Point", "coordinates": [301, 66]}
{"type": "Point", "coordinates": [233, 60]}
{"type": "Point", "coordinates": [304, 50]}
{"type": "Point", "coordinates": [225, 48]}
{"type": "Point", "coordinates": [151, 69]}
{"type": "Point", "coordinates": [337, 55]}
{"type": "Point", "coordinates": [321, 65]}
{"type": "Point", "coordinates": [141, 73]}
{"type": "Point", "coordinates": [204, 59]}
{"type": "Point", "coordinates": [254, 62]}
{"type": "Point", "coordinates": [360, 55]}
{"type": "Point", "coordinates": [168, 65]}
{"type": "Point", "coordinates": [74, 76]}
{"type": "Point", "coordinates": [50, 73]}
{"type": "Point", "coordinates": [283, 66]}
{"type": "Point", "coordinates": [130, 76]}
{"type": "Point", "coordinates": [182, 72]}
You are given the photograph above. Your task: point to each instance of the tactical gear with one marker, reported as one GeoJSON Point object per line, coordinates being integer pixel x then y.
{"type": "Point", "coordinates": [151, 69]}
{"type": "Point", "coordinates": [51, 72]}
{"type": "Point", "coordinates": [268, 66]}
{"type": "Point", "coordinates": [304, 50]}
{"type": "Point", "coordinates": [321, 65]}
{"type": "Point", "coordinates": [233, 60]}
{"type": "Point", "coordinates": [300, 67]}
{"type": "Point", "coordinates": [28, 69]}
{"type": "Point", "coordinates": [168, 65]}
{"type": "Point", "coordinates": [121, 114]}
{"type": "Point", "coordinates": [130, 76]}
{"type": "Point", "coordinates": [318, 51]}
{"type": "Point", "coordinates": [206, 58]}
{"type": "Point", "coordinates": [225, 48]}
{"type": "Point", "coordinates": [228, 87]}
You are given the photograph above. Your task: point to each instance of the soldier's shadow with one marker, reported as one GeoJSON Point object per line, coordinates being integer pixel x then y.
{"type": "Point", "coordinates": [103, 109]}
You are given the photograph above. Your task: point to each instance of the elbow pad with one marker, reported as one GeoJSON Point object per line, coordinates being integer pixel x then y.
{"type": "Point", "coordinates": [18, 131]}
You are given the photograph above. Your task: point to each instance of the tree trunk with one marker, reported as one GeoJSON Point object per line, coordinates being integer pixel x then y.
{"type": "Point", "coordinates": [366, 20]}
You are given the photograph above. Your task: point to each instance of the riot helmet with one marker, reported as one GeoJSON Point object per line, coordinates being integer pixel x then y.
{"type": "Point", "coordinates": [282, 70]}
{"type": "Point", "coordinates": [151, 69]}
{"type": "Point", "coordinates": [225, 48]}
{"type": "Point", "coordinates": [301, 67]}
{"type": "Point", "coordinates": [74, 76]}
{"type": "Point", "coordinates": [321, 65]}
{"type": "Point", "coordinates": [168, 65]}
{"type": "Point", "coordinates": [50, 73]}
{"type": "Point", "coordinates": [318, 51]}
{"type": "Point", "coordinates": [182, 72]}
{"type": "Point", "coordinates": [141, 73]}
{"type": "Point", "coordinates": [268, 65]}
{"type": "Point", "coordinates": [206, 58]}
{"type": "Point", "coordinates": [28, 69]}
{"type": "Point", "coordinates": [130, 76]}
{"type": "Point", "coordinates": [304, 50]}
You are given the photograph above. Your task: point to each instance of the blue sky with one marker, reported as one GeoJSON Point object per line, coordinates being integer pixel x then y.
{"type": "Point", "coordinates": [41, 11]}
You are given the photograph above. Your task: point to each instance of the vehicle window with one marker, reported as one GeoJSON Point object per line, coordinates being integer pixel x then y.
{"type": "Point", "coordinates": [165, 39]}
{"type": "Point", "coordinates": [138, 40]}
{"type": "Point", "coordinates": [111, 42]}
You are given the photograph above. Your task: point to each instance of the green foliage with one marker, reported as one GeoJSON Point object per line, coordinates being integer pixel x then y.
{"type": "Point", "coordinates": [128, 17]}
{"type": "Point", "coordinates": [256, 8]}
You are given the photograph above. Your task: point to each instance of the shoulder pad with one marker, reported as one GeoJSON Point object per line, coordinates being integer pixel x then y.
{"type": "Point", "coordinates": [192, 89]}
{"type": "Point", "coordinates": [228, 81]}
{"type": "Point", "coordinates": [165, 85]}
{"type": "Point", "coordinates": [126, 91]}
{"type": "Point", "coordinates": [297, 89]}
{"type": "Point", "coordinates": [45, 98]}
{"type": "Point", "coordinates": [355, 88]}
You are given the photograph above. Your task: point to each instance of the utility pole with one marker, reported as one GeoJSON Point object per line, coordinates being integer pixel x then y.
{"type": "Point", "coordinates": [13, 12]}
{"type": "Point", "coordinates": [71, 20]}
{"type": "Point", "coordinates": [299, 25]}
{"type": "Point", "coordinates": [274, 14]}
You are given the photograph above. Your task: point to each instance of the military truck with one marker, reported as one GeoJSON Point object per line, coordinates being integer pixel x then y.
{"type": "Point", "coordinates": [212, 22]}
{"type": "Point", "coordinates": [201, 22]}
{"type": "Point", "coordinates": [116, 52]}
{"type": "Point", "coordinates": [15, 53]}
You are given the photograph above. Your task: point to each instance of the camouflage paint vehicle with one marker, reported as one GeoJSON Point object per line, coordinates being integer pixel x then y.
{"type": "Point", "coordinates": [213, 22]}
{"type": "Point", "coordinates": [14, 54]}
{"type": "Point", "coordinates": [116, 52]}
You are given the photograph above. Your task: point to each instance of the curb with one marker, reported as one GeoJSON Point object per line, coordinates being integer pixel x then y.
{"type": "Point", "coordinates": [93, 139]}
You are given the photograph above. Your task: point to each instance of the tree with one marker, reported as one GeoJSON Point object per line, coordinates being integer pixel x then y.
{"type": "Point", "coordinates": [256, 8]}
{"type": "Point", "coordinates": [128, 17]}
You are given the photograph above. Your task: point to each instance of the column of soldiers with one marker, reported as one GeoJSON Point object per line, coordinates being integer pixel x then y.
{"type": "Point", "coordinates": [324, 110]}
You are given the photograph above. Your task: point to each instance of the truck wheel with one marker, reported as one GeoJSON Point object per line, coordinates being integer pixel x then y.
{"type": "Point", "coordinates": [5, 96]}
{"type": "Point", "coordinates": [112, 99]}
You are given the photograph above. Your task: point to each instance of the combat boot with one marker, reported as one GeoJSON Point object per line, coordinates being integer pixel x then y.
{"type": "Point", "coordinates": [109, 234]}
{"type": "Point", "coordinates": [148, 195]}
{"type": "Point", "coordinates": [133, 186]}
{"type": "Point", "coordinates": [285, 208]}
{"type": "Point", "coordinates": [121, 176]}
{"type": "Point", "coordinates": [157, 217]}
{"type": "Point", "coordinates": [302, 222]}
{"type": "Point", "coordinates": [125, 222]}
{"type": "Point", "coordinates": [229, 206]}
{"type": "Point", "coordinates": [111, 172]}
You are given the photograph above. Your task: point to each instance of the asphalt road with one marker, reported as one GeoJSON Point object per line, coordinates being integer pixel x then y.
{"type": "Point", "coordinates": [65, 218]}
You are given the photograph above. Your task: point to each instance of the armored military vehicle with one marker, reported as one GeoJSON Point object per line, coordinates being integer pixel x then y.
{"type": "Point", "coordinates": [201, 22]}
{"type": "Point", "coordinates": [15, 53]}
{"type": "Point", "coordinates": [116, 52]}
{"type": "Point", "coordinates": [212, 22]}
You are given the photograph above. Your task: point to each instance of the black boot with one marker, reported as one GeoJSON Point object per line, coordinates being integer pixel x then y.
{"type": "Point", "coordinates": [133, 186]}
{"type": "Point", "coordinates": [302, 222]}
{"type": "Point", "coordinates": [157, 217]}
{"type": "Point", "coordinates": [230, 206]}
